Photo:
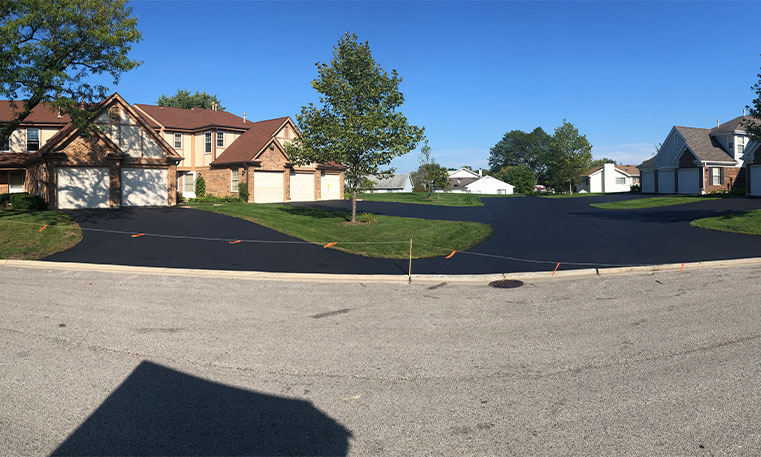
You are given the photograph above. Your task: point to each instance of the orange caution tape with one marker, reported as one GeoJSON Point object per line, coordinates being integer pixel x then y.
{"type": "Point", "coordinates": [680, 268]}
{"type": "Point", "coordinates": [234, 242]}
{"type": "Point", "coordinates": [137, 235]}
{"type": "Point", "coordinates": [331, 244]}
{"type": "Point", "coordinates": [450, 255]}
{"type": "Point", "coordinates": [556, 269]}
{"type": "Point", "coordinates": [43, 227]}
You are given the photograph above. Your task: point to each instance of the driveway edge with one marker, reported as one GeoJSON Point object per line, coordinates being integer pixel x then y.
{"type": "Point", "coordinates": [326, 277]}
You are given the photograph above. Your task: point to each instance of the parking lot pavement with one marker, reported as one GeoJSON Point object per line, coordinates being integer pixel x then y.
{"type": "Point", "coordinates": [105, 363]}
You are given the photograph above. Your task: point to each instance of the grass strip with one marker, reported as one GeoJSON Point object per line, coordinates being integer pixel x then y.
{"type": "Point", "coordinates": [746, 223]}
{"type": "Point", "coordinates": [389, 237]}
{"type": "Point", "coordinates": [654, 202]}
{"type": "Point", "coordinates": [421, 198]}
{"type": "Point", "coordinates": [21, 238]}
{"type": "Point", "coordinates": [576, 195]}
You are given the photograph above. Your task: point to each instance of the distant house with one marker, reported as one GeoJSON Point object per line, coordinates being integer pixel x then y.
{"type": "Point", "coordinates": [490, 185]}
{"type": "Point", "coordinates": [609, 178]}
{"type": "Point", "coordinates": [394, 183]}
{"type": "Point", "coordinates": [458, 179]}
{"type": "Point", "coordinates": [697, 160]}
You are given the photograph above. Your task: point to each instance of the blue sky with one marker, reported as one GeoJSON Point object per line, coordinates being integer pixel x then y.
{"type": "Point", "coordinates": [623, 73]}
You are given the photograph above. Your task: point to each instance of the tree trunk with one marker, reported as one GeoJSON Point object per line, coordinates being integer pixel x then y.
{"type": "Point", "coordinates": [430, 189]}
{"type": "Point", "coordinates": [570, 187]}
{"type": "Point", "coordinates": [353, 206]}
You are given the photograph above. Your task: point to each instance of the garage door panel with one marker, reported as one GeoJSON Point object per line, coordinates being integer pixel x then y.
{"type": "Point", "coordinates": [82, 187]}
{"type": "Point", "coordinates": [648, 182]}
{"type": "Point", "coordinates": [755, 180]}
{"type": "Point", "coordinates": [302, 187]}
{"type": "Point", "coordinates": [268, 187]}
{"type": "Point", "coordinates": [144, 187]}
{"type": "Point", "coordinates": [688, 181]}
{"type": "Point", "coordinates": [666, 182]}
{"type": "Point", "coordinates": [331, 187]}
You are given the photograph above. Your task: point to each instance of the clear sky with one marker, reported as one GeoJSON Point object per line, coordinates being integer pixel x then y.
{"type": "Point", "coordinates": [623, 73]}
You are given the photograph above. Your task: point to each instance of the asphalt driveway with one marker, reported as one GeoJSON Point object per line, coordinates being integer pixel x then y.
{"type": "Point", "coordinates": [535, 233]}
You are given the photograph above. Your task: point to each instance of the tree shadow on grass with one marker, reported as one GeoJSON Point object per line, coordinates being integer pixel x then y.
{"type": "Point", "coordinates": [315, 212]}
{"type": "Point", "coordinates": [160, 411]}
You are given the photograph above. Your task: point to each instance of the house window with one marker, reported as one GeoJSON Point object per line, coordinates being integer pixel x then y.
{"type": "Point", "coordinates": [178, 140]}
{"type": "Point", "coordinates": [620, 181]}
{"type": "Point", "coordinates": [716, 176]}
{"type": "Point", "coordinates": [220, 139]}
{"type": "Point", "coordinates": [15, 181]}
{"type": "Point", "coordinates": [189, 184]}
{"type": "Point", "coordinates": [233, 180]}
{"type": "Point", "coordinates": [207, 143]}
{"type": "Point", "coordinates": [6, 146]}
{"type": "Point", "coordinates": [32, 139]}
{"type": "Point", "coordinates": [740, 148]}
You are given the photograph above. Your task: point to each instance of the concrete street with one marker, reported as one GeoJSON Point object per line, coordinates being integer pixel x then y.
{"type": "Point", "coordinates": [125, 364]}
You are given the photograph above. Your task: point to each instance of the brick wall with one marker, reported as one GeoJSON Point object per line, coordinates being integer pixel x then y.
{"type": "Point", "coordinates": [218, 181]}
{"type": "Point", "coordinates": [317, 185]}
{"type": "Point", "coordinates": [729, 182]}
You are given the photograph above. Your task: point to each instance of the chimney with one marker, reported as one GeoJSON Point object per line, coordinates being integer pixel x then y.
{"type": "Point", "coordinates": [244, 117]}
{"type": "Point", "coordinates": [213, 106]}
{"type": "Point", "coordinates": [480, 173]}
{"type": "Point", "coordinates": [717, 123]}
{"type": "Point", "coordinates": [743, 112]}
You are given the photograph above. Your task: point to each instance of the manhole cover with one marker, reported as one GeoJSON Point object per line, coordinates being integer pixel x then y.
{"type": "Point", "coordinates": [506, 283]}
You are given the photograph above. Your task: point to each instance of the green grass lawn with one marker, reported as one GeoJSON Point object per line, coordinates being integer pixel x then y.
{"type": "Point", "coordinates": [653, 202]}
{"type": "Point", "coordinates": [748, 223]}
{"type": "Point", "coordinates": [20, 236]}
{"type": "Point", "coordinates": [431, 238]}
{"type": "Point", "coordinates": [420, 198]}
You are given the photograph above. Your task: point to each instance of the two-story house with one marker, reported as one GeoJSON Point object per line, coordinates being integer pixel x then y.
{"type": "Point", "coordinates": [697, 160]}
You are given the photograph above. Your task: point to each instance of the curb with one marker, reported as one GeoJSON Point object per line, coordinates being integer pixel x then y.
{"type": "Point", "coordinates": [328, 277]}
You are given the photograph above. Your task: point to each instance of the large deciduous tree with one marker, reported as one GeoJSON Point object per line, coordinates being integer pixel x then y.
{"type": "Point", "coordinates": [753, 125]}
{"type": "Point", "coordinates": [520, 176]}
{"type": "Point", "coordinates": [522, 148]}
{"type": "Point", "coordinates": [58, 51]}
{"type": "Point", "coordinates": [430, 173]}
{"type": "Point", "coordinates": [601, 162]}
{"type": "Point", "coordinates": [571, 155]}
{"type": "Point", "coordinates": [184, 99]}
{"type": "Point", "coordinates": [357, 123]}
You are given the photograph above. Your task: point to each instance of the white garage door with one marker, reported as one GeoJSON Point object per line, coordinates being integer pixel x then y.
{"type": "Point", "coordinates": [268, 187]}
{"type": "Point", "coordinates": [331, 187]}
{"type": "Point", "coordinates": [648, 182]}
{"type": "Point", "coordinates": [689, 183]}
{"type": "Point", "coordinates": [144, 187]}
{"type": "Point", "coordinates": [81, 187]}
{"type": "Point", "coordinates": [755, 180]}
{"type": "Point", "coordinates": [666, 182]}
{"type": "Point", "coordinates": [302, 187]}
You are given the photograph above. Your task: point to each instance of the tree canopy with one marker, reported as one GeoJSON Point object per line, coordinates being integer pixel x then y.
{"type": "Point", "coordinates": [429, 174]}
{"type": "Point", "coordinates": [184, 99]}
{"type": "Point", "coordinates": [754, 109]}
{"type": "Point", "coordinates": [521, 148]}
{"type": "Point", "coordinates": [520, 176]}
{"type": "Point", "coordinates": [357, 123]}
{"type": "Point", "coordinates": [601, 162]}
{"type": "Point", "coordinates": [57, 51]}
{"type": "Point", "coordinates": [571, 155]}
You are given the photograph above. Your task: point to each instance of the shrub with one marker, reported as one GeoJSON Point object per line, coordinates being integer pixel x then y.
{"type": "Point", "coordinates": [27, 202]}
{"type": "Point", "coordinates": [367, 218]}
{"type": "Point", "coordinates": [5, 200]}
{"type": "Point", "coordinates": [200, 187]}
{"type": "Point", "coordinates": [180, 198]}
{"type": "Point", "coordinates": [243, 191]}
{"type": "Point", "coordinates": [635, 188]}
{"type": "Point", "coordinates": [213, 199]}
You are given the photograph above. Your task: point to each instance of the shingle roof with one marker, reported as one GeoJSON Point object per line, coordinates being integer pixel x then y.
{"type": "Point", "coordinates": [247, 145]}
{"type": "Point", "coordinates": [628, 169]}
{"type": "Point", "coordinates": [733, 125]}
{"type": "Point", "coordinates": [41, 114]}
{"type": "Point", "coordinates": [190, 119]}
{"type": "Point", "coordinates": [705, 147]}
{"type": "Point", "coordinates": [647, 163]}
{"type": "Point", "coordinates": [392, 182]}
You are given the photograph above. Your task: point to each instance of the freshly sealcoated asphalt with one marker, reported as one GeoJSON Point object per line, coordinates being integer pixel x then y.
{"type": "Point", "coordinates": [539, 231]}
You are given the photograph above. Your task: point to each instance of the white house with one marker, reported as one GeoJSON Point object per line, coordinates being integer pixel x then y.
{"type": "Point", "coordinates": [697, 160]}
{"type": "Point", "coordinates": [458, 179]}
{"type": "Point", "coordinates": [490, 185]}
{"type": "Point", "coordinates": [394, 183]}
{"type": "Point", "coordinates": [609, 178]}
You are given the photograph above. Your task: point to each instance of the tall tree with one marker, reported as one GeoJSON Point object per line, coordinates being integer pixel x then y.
{"type": "Point", "coordinates": [753, 125]}
{"type": "Point", "coordinates": [358, 123]}
{"type": "Point", "coordinates": [521, 148]}
{"type": "Point", "coordinates": [425, 158]}
{"type": "Point", "coordinates": [571, 155]}
{"type": "Point", "coordinates": [51, 49]}
{"type": "Point", "coordinates": [603, 161]}
{"type": "Point", "coordinates": [184, 99]}
{"type": "Point", "coordinates": [520, 176]}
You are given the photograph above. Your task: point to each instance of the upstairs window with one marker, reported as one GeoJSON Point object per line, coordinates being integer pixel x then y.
{"type": "Point", "coordinates": [220, 139]}
{"type": "Point", "coordinates": [178, 140]}
{"type": "Point", "coordinates": [234, 181]}
{"type": "Point", "coordinates": [32, 139]}
{"type": "Point", "coordinates": [207, 143]}
{"type": "Point", "coordinates": [6, 146]}
{"type": "Point", "coordinates": [740, 148]}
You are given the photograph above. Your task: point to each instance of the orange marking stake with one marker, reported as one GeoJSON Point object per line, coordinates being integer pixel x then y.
{"type": "Point", "coordinates": [556, 269]}
{"type": "Point", "coordinates": [137, 235]}
{"type": "Point", "coordinates": [450, 255]}
{"type": "Point", "coordinates": [43, 227]}
{"type": "Point", "coordinates": [680, 268]}
{"type": "Point", "coordinates": [234, 242]}
{"type": "Point", "coordinates": [330, 245]}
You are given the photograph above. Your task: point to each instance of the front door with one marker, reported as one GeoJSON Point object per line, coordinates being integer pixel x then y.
{"type": "Point", "coordinates": [15, 182]}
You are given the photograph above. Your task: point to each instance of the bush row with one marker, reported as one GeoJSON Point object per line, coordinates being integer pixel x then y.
{"type": "Point", "coordinates": [23, 201]}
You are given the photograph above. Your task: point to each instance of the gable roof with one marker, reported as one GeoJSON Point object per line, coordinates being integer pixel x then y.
{"type": "Point", "coordinates": [190, 119]}
{"type": "Point", "coordinates": [248, 145]}
{"type": "Point", "coordinates": [41, 114]}
{"type": "Point", "coordinates": [736, 124]}
{"type": "Point", "coordinates": [474, 174]}
{"type": "Point", "coordinates": [647, 163]}
{"type": "Point", "coordinates": [391, 182]}
{"type": "Point", "coordinates": [487, 178]}
{"type": "Point", "coordinates": [705, 147]}
{"type": "Point", "coordinates": [628, 169]}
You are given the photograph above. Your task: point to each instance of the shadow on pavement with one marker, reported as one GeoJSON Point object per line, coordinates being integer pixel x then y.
{"type": "Point", "coordinates": [160, 411]}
